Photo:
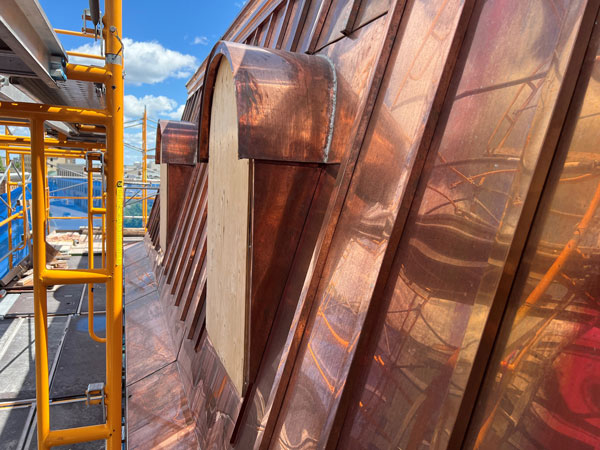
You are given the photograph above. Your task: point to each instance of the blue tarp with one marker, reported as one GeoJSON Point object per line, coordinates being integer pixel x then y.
{"type": "Point", "coordinates": [60, 187]}
{"type": "Point", "coordinates": [15, 225]}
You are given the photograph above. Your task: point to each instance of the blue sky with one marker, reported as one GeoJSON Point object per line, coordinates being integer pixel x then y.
{"type": "Point", "coordinates": [165, 41]}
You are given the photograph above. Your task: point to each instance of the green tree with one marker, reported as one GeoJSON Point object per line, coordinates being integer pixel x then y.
{"type": "Point", "coordinates": [132, 210]}
{"type": "Point", "coordinates": [16, 163]}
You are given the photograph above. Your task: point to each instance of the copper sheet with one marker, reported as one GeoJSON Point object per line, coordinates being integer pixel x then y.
{"type": "Point", "coordinates": [214, 403]}
{"type": "Point", "coordinates": [174, 325]}
{"type": "Point", "coordinates": [193, 236]}
{"type": "Point", "coordinates": [185, 292]}
{"type": "Point", "coordinates": [183, 223]}
{"type": "Point", "coordinates": [312, 23]}
{"type": "Point", "coordinates": [277, 24]}
{"type": "Point", "coordinates": [369, 10]}
{"type": "Point", "coordinates": [139, 280]}
{"type": "Point", "coordinates": [134, 253]}
{"type": "Point", "coordinates": [393, 146]}
{"type": "Point", "coordinates": [461, 224]}
{"type": "Point", "coordinates": [282, 197]}
{"type": "Point", "coordinates": [296, 21]}
{"type": "Point", "coordinates": [486, 146]}
{"type": "Point", "coordinates": [189, 359]}
{"type": "Point", "coordinates": [335, 23]}
{"type": "Point", "coordinates": [147, 339]}
{"type": "Point", "coordinates": [285, 104]}
{"type": "Point", "coordinates": [176, 142]}
{"type": "Point", "coordinates": [345, 55]}
{"type": "Point", "coordinates": [272, 382]}
{"type": "Point", "coordinates": [184, 260]}
{"type": "Point", "coordinates": [195, 244]}
{"type": "Point", "coordinates": [264, 389]}
{"type": "Point", "coordinates": [541, 388]}
{"type": "Point", "coordinates": [252, 17]}
{"type": "Point", "coordinates": [178, 177]}
{"type": "Point", "coordinates": [158, 415]}
{"type": "Point", "coordinates": [153, 221]}
{"type": "Point", "coordinates": [291, 10]}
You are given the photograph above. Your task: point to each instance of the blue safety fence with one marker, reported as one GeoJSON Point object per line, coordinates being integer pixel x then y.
{"type": "Point", "coordinates": [62, 207]}
{"type": "Point", "coordinates": [59, 207]}
{"type": "Point", "coordinates": [17, 228]}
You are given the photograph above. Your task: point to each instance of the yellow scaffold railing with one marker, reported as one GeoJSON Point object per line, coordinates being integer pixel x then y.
{"type": "Point", "coordinates": [10, 216]}
{"type": "Point", "coordinates": [111, 274]}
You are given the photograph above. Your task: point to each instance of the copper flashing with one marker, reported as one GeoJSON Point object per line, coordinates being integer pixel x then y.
{"type": "Point", "coordinates": [176, 142]}
{"type": "Point", "coordinates": [285, 103]}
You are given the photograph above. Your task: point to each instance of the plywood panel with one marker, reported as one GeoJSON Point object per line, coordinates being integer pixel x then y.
{"type": "Point", "coordinates": [163, 211]}
{"type": "Point", "coordinates": [228, 233]}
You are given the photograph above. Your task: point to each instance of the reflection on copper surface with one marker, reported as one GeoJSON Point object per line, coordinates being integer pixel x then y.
{"type": "Point", "coordinates": [462, 222]}
{"type": "Point", "coordinates": [175, 142]}
{"type": "Point", "coordinates": [374, 309]}
{"type": "Point", "coordinates": [391, 148]}
{"type": "Point", "coordinates": [543, 384]}
{"type": "Point", "coordinates": [285, 104]}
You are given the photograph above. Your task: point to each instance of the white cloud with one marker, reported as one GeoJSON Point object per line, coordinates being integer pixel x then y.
{"type": "Point", "coordinates": [177, 113]}
{"type": "Point", "coordinates": [133, 137]}
{"type": "Point", "coordinates": [202, 40]}
{"type": "Point", "coordinates": [157, 106]}
{"type": "Point", "coordinates": [147, 62]}
{"type": "Point", "coordinates": [241, 4]}
{"type": "Point", "coordinates": [18, 131]}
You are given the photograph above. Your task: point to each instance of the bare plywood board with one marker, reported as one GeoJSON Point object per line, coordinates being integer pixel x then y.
{"type": "Point", "coordinates": [164, 195]}
{"type": "Point", "coordinates": [228, 233]}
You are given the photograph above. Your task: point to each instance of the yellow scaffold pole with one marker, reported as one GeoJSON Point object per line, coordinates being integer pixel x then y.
{"type": "Point", "coordinates": [144, 170]}
{"type": "Point", "coordinates": [111, 119]}
{"type": "Point", "coordinates": [114, 221]}
{"type": "Point", "coordinates": [90, 205]}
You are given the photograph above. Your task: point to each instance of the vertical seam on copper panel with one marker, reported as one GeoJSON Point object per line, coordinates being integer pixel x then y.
{"type": "Point", "coordinates": [533, 200]}
{"type": "Point", "coordinates": [330, 223]}
{"type": "Point", "coordinates": [427, 142]}
{"type": "Point", "coordinates": [284, 24]}
{"type": "Point", "coordinates": [351, 21]}
{"type": "Point", "coordinates": [333, 106]}
{"type": "Point", "coordinates": [319, 25]}
{"type": "Point", "coordinates": [300, 25]}
{"type": "Point", "coordinates": [312, 200]}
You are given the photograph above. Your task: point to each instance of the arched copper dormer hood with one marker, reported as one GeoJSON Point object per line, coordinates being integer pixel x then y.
{"type": "Point", "coordinates": [174, 142]}
{"type": "Point", "coordinates": [268, 117]}
{"type": "Point", "coordinates": [286, 103]}
{"type": "Point", "coordinates": [175, 152]}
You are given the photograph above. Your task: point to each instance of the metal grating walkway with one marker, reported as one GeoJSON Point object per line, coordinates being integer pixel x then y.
{"type": "Point", "coordinates": [75, 361]}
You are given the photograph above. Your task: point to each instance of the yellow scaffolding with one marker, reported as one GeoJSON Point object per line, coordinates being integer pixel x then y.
{"type": "Point", "coordinates": [21, 215]}
{"type": "Point", "coordinates": [144, 170]}
{"type": "Point", "coordinates": [91, 212]}
{"type": "Point", "coordinates": [111, 274]}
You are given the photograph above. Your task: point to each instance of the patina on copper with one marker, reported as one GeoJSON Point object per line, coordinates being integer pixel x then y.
{"type": "Point", "coordinates": [285, 104]}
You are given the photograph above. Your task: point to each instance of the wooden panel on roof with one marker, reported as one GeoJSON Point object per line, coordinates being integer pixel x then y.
{"type": "Point", "coordinates": [229, 181]}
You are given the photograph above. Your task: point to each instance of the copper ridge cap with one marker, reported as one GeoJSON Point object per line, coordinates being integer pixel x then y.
{"type": "Point", "coordinates": [286, 103]}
